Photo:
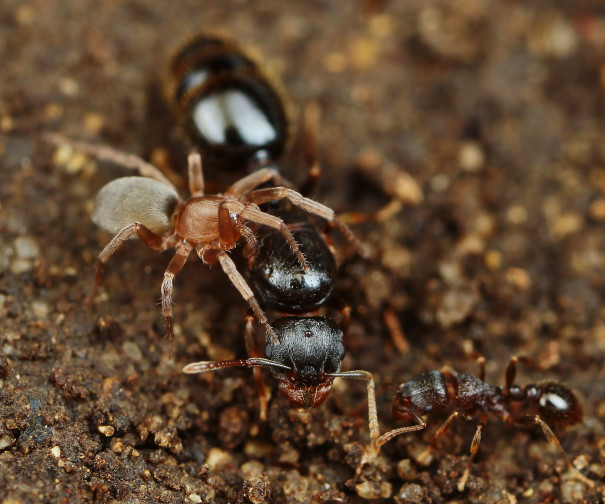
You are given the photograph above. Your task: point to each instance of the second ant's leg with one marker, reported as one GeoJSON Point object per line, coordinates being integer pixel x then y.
{"type": "Point", "coordinates": [150, 239]}
{"type": "Point", "coordinates": [244, 289]}
{"type": "Point", "coordinates": [175, 265]}
{"type": "Point", "coordinates": [474, 448]}
{"type": "Point", "coordinates": [553, 440]}
{"type": "Point", "coordinates": [376, 440]}
{"type": "Point", "coordinates": [423, 457]}
{"type": "Point", "coordinates": [264, 394]}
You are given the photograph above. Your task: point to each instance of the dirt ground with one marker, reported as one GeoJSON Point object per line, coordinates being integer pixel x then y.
{"type": "Point", "coordinates": [481, 121]}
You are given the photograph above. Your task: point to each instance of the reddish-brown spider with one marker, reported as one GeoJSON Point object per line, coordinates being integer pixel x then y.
{"type": "Point", "coordinates": [149, 207]}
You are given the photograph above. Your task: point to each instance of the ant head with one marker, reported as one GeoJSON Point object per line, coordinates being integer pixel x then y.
{"type": "Point", "coordinates": [557, 404]}
{"type": "Point", "coordinates": [304, 361]}
{"type": "Point", "coordinates": [422, 394]}
{"type": "Point", "coordinates": [310, 350]}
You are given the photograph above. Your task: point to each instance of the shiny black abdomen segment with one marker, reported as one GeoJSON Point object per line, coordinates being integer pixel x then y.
{"type": "Point", "coordinates": [279, 279]}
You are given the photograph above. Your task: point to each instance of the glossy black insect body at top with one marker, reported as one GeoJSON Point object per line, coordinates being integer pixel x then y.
{"type": "Point", "coordinates": [229, 109]}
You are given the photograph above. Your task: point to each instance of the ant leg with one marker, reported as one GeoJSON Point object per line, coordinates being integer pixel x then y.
{"type": "Point", "coordinates": [246, 292]}
{"type": "Point", "coordinates": [402, 430]}
{"type": "Point", "coordinates": [373, 425]}
{"type": "Point", "coordinates": [196, 175]}
{"type": "Point", "coordinates": [174, 267]}
{"type": "Point", "coordinates": [424, 456]}
{"type": "Point", "coordinates": [553, 440]}
{"type": "Point", "coordinates": [115, 156]}
{"type": "Point", "coordinates": [376, 440]}
{"type": "Point", "coordinates": [250, 182]}
{"type": "Point", "coordinates": [256, 215]}
{"type": "Point", "coordinates": [264, 394]}
{"type": "Point", "coordinates": [261, 196]}
{"type": "Point", "coordinates": [511, 370]}
{"type": "Point", "coordinates": [474, 448]}
{"type": "Point", "coordinates": [149, 238]}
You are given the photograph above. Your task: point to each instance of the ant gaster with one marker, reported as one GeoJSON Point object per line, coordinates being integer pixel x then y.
{"type": "Point", "coordinates": [227, 106]}
{"type": "Point", "coordinates": [546, 403]}
{"type": "Point", "coordinates": [150, 208]}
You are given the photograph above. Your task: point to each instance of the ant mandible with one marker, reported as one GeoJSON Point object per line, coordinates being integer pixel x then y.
{"type": "Point", "coordinates": [546, 403]}
{"type": "Point", "coordinates": [149, 207]}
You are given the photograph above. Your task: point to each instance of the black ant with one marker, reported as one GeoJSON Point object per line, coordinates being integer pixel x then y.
{"type": "Point", "coordinates": [209, 74]}
{"type": "Point", "coordinates": [546, 403]}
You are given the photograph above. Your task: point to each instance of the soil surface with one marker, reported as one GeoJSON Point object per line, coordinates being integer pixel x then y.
{"type": "Point", "coordinates": [479, 124]}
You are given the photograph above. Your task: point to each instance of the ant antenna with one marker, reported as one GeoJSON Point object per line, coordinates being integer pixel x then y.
{"type": "Point", "coordinates": [206, 366]}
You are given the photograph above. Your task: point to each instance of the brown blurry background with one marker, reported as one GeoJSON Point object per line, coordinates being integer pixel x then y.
{"type": "Point", "coordinates": [482, 122]}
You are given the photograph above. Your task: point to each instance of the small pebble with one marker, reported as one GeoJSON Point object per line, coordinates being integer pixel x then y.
{"type": "Point", "coordinates": [6, 440]}
{"type": "Point", "coordinates": [106, 430]}
{"type": "Point", "coordinates": [40, 309]}
{"type": "Point", "coordinates": [471, 157]}
{"type": "Point", "coordinates": [26, 247]}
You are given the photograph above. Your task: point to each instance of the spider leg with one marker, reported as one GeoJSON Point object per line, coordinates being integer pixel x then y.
{"type": "Point", "coordinates": [149, 238]}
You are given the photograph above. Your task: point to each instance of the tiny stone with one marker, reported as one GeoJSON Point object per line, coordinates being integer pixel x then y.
{"type": "Point", "coordinates": [217, 458]}
{"type": "Point", "coordinates": [26, 247]}
{"type": "Point", "coordinates": [471, 157]}
{"type": "Point", "coordinates": [566, 224]}
{"type": "Point", "coordinates": [56, 451]}
{"type": "Point", "coordinates": [493, 259]}
{"type": "Point", "coordinates": [19, 266]}
{"type": "Point", "coordinates": [368, 490]}
{"type": "Point", "coordinates": [252, 467]}
{"type": "Point", "coordinates": [518, 278]}
{"type": "Point", "coordinates": [596, 210]}
{"type": "Point", "coordinates": [6, 440]}
{"type": "Point", "coordinates": [106, 430]}
{"type": "Point", "coordinates": [40, 309]}
{"type": "Point", "coordinates": [194, 498]}
{"type": "Point", "coordinates": [405, 470]}
{"type": "Point", "coordinates": [516, 214]}
{"type": "Point", "coordinates": [132, 351]}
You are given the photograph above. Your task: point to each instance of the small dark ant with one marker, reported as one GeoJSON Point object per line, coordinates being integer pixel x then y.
{"type": "Point", "coordinates": [227, 106]}
{"type": "Point", "coordinates": [150, 208]}
{"type": "Point", "coordinates": [545, 403]}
